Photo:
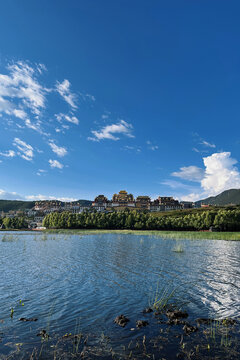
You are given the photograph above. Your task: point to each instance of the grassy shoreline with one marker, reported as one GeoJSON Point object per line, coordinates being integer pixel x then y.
{"type": "Point", "coordinates": [191, 235]}
{"type": "Point", "coordinates": [181, 235]}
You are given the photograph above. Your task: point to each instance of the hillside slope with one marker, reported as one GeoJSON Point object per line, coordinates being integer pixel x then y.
{"type": "Point", "coordinates": [227, 197]}
{"type": "Point", "coordinates": [7, 205]}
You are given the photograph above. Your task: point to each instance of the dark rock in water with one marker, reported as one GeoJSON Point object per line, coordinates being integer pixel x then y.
{"type": "Point", "coordinates": [227, 322]}
{"type": "Point", "coordinates": [121, 320]}
{"type": "Point", "coordinates": [147, 310]}
{"type": "Point", "coordinates": [180, 356]}
{"type": "Point", "coordinates": [26, 319]}
{"type": "Point", "coordinates": [189, 329]}
{"type": "Point", "coordinates": [176, 314]}
{"type": "Point", "coordinates": [176, 322]}
{"type": "Point", "coordinates": [141, 323]}
{"type": "Point", "coordinates": [43, 334]}
{"type": "Point", "coordinates": [203, 321]}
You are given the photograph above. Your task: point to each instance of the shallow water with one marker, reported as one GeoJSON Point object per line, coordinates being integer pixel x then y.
{"type": "Point", "coordinates": [79, 283]}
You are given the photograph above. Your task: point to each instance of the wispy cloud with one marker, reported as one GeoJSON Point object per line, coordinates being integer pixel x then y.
{"type": "Point", "coordinates": [192, 173]}
{"type": "Point", "coordinates": [9, 153]}
{"type": "Point", "coordinates": [132, 148]}
{"type": "Point", "coordinates": [55, 164]}
{"type": "Point", "coordinates": [122, 127]}
{"type": "Point", "coordinates": [41, 172]}
{"type": "Point", "coordinates": [70, 118]}
{"type": "Point", "coordinates": [207, 144]}
{"type": "Point", "coordinates": [49, 197]}
{"type": "Point", "coordinates": [151, 146]}
{"type": "Point", "coordinates": [86, 97]}
{"type": "Point", "coordinates": [64, 90]}
{"type": "Point", "coordinates": [59, 150]}
{"type": "Point", "coordinates": [6, 195]}
{"type": "Point", "coordinates": [21, 84]}
{"type": "Point", "coordinates": [177, 185]}
{"type": "Point", "coordinates": [25, 150]}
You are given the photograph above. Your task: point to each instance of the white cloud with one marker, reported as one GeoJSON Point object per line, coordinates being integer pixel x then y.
{"type": "Point", "coordinates": [72, 119]}
{"type": "Point", "coordinates": [220, 174]}
{"type": "Point", "coordinates": [49, 197]}
{"type": "Point", "coordinates": [9, 153]}
{"type": "Point", "coordinates": [132, 148]}
{"type": "Point", "coordinates": [21, 85]}
{"type": "Point", "coordinates": [55, 164]}
{"type": "Point", "coordinates": [60, 151]}
{"type": "Point", "coordinates": [35, 126]}
{"type": "Point", "coordinates": [151, 146]}
{"type": "Point", "coordinates": [4, 195]}
{"type": "Point", "coordinates": [105, 116]}
{"type": "Point", "coordinates": [122, 127]}
{"type": "Point", "coordinates": [88, 97]}
{"type": "Point", "coordinates": [196, 150]}
{"type": "Point", "coordinates": [205, 143]}
{"type": "Point", "coordinates": [176, 185]}
{"type": "Point", "coordinates": [192, 173]}
{"type": "Point", "coordinates": [25, 150]}
{"type": "Point", "coordinates": [41, 172]}
{"type": "Point", "coordinates": [64, 90]}
{"type": "Point", "coordinates": [21, 114]}
{"type": "Point", "coordinates": [193, 196]}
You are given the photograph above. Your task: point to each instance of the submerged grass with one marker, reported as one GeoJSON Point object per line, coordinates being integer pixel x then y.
{"type": "Point", "coordinates": [191, 235]}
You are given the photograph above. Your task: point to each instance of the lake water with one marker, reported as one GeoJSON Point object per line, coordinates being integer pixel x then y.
{"type": "Point", "coordinates": [77, 284]}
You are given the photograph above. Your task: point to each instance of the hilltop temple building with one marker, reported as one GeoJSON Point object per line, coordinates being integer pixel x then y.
{"type": "Point", "coordinates": [119, 202]}
{"type": "Point", "coordinates": [123, 200]}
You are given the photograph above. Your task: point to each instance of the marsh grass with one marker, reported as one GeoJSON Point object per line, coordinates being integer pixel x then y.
{"type": "Point", "coordinates": [220, 330]}
{"type": "Point", "coordinates": [178, 248]}
{"type": "Point", "coordinates": [191, 235]}
{"type": "Point", "coordinates": [77, 337]}
{"type": "Point", "coordinates": [163, 297]}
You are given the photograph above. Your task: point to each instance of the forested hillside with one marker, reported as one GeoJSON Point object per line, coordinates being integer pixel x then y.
{"type": "Point", "coordinates": [227, 197]}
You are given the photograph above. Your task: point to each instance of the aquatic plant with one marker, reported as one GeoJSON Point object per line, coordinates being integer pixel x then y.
{"type": "Point", "coordinates": [12, 312]}
{"type": "Point", "coordinates": [163, 297]}
{"type": "Point", "coordinates": [178, 248]}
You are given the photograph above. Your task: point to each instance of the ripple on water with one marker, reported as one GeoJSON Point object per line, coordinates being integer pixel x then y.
{"type": "Point", "coordinates": [94, 278]}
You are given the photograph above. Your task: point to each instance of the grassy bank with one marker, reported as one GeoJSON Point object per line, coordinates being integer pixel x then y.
{"type": "Point", "coordinates": [191, 235]}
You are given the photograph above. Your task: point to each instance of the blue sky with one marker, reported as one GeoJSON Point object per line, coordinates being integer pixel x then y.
{"type": "Point", "coordinates": [99, 96]}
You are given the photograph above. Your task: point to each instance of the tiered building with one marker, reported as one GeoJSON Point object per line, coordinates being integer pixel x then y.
{"type": "Point", "coordinates": [123, 200]}
{"type": "Point", "coordinates": [119, 202]}
{"type": "Point", "coordinates": [100, 203]}
{"type": "Point", "coordinates": [143, 203]}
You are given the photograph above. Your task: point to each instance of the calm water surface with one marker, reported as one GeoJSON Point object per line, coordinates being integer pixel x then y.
{"type": "Point", "coordinates": [74, 283]}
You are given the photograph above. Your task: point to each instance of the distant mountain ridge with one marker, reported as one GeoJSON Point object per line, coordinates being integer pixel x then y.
{"type": "Point", "coordinates": [8, 205]}
{"type": "Point", "coordinates": [227, 197]}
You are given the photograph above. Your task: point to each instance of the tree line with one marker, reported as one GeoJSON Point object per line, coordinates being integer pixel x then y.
{"type": "Point", "coordinates": [222, 219]}
{"type": "Point", "coordinates": [13, 223]}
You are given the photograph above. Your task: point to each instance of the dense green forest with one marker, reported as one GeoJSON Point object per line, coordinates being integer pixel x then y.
{"type": "Point", "coordinates": [13, 223]}
{"type": "Point", "coordinates": [222, 219]}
